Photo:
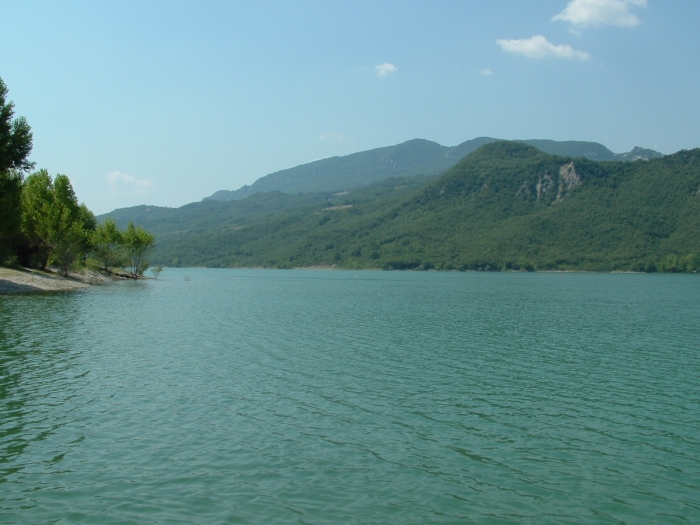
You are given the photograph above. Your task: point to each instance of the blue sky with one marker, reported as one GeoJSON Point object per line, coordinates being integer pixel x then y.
{"type": "Point", "coordinates": [166, 102]}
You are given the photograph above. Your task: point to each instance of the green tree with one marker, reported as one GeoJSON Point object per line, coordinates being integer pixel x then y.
{"type": "Point", "coordinates": [15, 136]}
{"type": "Point", "coordinates": [71, 229]}
{"type": "Point", "coordinates": [156, 271]}
{"type": "Point", "coordinates": [37, 198]}
{"type": "Point", "coordinates": [108, 245]}
{"type": "Point", "coordinates": [15, 147]}
{"type": "Point", "coordinates": [137, 244]}
{"type": "Point", "coordinates": [10, 211]}
{"type": "Point", "coordinates": [57, 228]}
{"type": "Point", "coordinates": [72, 226]}
{"type": "Point", "coordinates": [68, 245]}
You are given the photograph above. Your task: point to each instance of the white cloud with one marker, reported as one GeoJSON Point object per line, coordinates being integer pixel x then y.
{"type": "Point", "coordinates": [584, 13]}
{"type": "Point", "coordinates": [123, 184]}
{"type": "Point", "coordinates": [332, 135]}
{"type": "Point", "coordinates": [486, 72]}
{"type": "Point", "coordinates": [385, 69]}
{"type": "Point", "coordinates": [539, 47]}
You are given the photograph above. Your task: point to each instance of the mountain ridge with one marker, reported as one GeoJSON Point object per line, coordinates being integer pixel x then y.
{"type": "Point", "coordinates": [506, 206]}
{"type": "Point", "coordinates": [413, 157]}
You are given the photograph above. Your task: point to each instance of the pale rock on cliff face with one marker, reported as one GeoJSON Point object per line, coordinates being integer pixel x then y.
{"type": "Point", "coordinates": [568, 174]}
{"type": "Point", "coordinates": [543, 185]}
{"type": "Point", "coordinates": [568, 178]}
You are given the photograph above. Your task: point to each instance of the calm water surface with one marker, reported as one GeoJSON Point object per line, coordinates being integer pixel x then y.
{"type": "Point", "coordinates": [262, 397]}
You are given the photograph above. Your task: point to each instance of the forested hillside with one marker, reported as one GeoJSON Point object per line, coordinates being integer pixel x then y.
{"type": "Point", "coordinates": [505, 206]}
{"type": "Point", "coordinates": [415, 157]}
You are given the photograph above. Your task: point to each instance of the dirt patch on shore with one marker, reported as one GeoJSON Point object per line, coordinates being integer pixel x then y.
{"type": "Point", "coordinates": [22, 281]}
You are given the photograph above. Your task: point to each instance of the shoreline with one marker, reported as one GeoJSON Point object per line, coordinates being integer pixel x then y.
{"type": "Point", "coordinates": [433, 270]}
{"type": "Point", "coordinates": [27, 280]}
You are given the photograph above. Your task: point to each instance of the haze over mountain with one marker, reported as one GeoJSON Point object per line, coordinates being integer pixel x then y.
{"type": "Point", "coordinates": [414, 157]}
{"type": "Point", "coordinates": [505, 206]}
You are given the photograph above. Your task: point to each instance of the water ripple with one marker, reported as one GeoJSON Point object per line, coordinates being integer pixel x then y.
{"type": "Point", "coordinates": [336, 397]}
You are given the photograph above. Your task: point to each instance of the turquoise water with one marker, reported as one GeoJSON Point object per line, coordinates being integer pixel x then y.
{"type": "Point", "coordinates": [317, 397]}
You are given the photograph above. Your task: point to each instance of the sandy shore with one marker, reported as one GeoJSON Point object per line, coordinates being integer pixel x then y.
{"type": "Point", "coordinates": [20, 281]}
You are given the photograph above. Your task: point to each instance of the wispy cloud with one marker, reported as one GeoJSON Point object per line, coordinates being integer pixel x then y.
{"type": "Point", "coordinates": [123, 184]}
{"type": "Point", "coordinates": [332, 135]}
{"type": "Point", "coordinates": [539, 47]}
{"type": "Point", "coordinates": [385, 69]}
{"type": "Point", "coordinates": [485, 72]}
{"type": "Point", "coordinates": [582, 13]}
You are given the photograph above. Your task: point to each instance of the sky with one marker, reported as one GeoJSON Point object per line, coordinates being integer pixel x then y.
{"type": "Point", "coordinates": [165, 102]}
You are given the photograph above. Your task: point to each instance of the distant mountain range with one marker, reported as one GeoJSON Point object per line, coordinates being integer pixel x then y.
{"type": "Point", "coordinates": [505, 206]}
{"type": "Point", "coordinates": [415, 157]}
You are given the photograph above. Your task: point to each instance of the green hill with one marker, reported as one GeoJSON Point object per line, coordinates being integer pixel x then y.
{"type": "Point", "coordinates": [505, 206]}
{"type": "Point", "coordinates": [415, 157]}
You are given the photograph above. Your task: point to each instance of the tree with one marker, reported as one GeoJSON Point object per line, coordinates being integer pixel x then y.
{"type": "Point", "coordinates": [10, 211]}
{"type": "Point", "coordinates": [72, 227]}
{"type": "Point", "coordinates": [15, 136]}
{"type": "Point", "coordinates": [37, 198]}
{"type": "Point", "coordinates": [15, 147]}
{"type": "Point", "coordinates": [156, 271]}
{"type": "Point", "coordinates": [108, 245]}
{"type": "Point", "coordinates": [137, 244]}
{"type": "Point", "coordinates": [57, 228]}
{"type": "Point", "coordinates": [68, 245]}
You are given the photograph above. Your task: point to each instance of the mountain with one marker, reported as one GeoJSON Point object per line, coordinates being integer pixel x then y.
{"type": "Point", "coordinates": [415, 157]}
{"type": "Point", "coordinates": [505, 206]}
{"type": "Point", "coordinates": [638, 153]}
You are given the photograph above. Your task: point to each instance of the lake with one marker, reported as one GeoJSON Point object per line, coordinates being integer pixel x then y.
{"type": "Point", "coordinates": [338, 397]}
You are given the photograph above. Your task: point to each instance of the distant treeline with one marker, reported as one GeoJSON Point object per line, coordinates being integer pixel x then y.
{"type": "Point", "coordinates": [41, 221]}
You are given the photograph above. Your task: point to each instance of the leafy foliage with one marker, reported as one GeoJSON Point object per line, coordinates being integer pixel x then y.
{"type": "Point", "coordinates": [37, 200]}
{"type": "Point", "coordinates": [108, 245]}
{"type": "Point", "coordinates": [137, 244]}
{"type": "Point", "coordinates": [56, 228]}
{"type": "Point", "coordinates": [15, 147]}
{"type": "Point", "coordinates": [10, 211]}
{"type": "Point", "coordinates": [15, 136]}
